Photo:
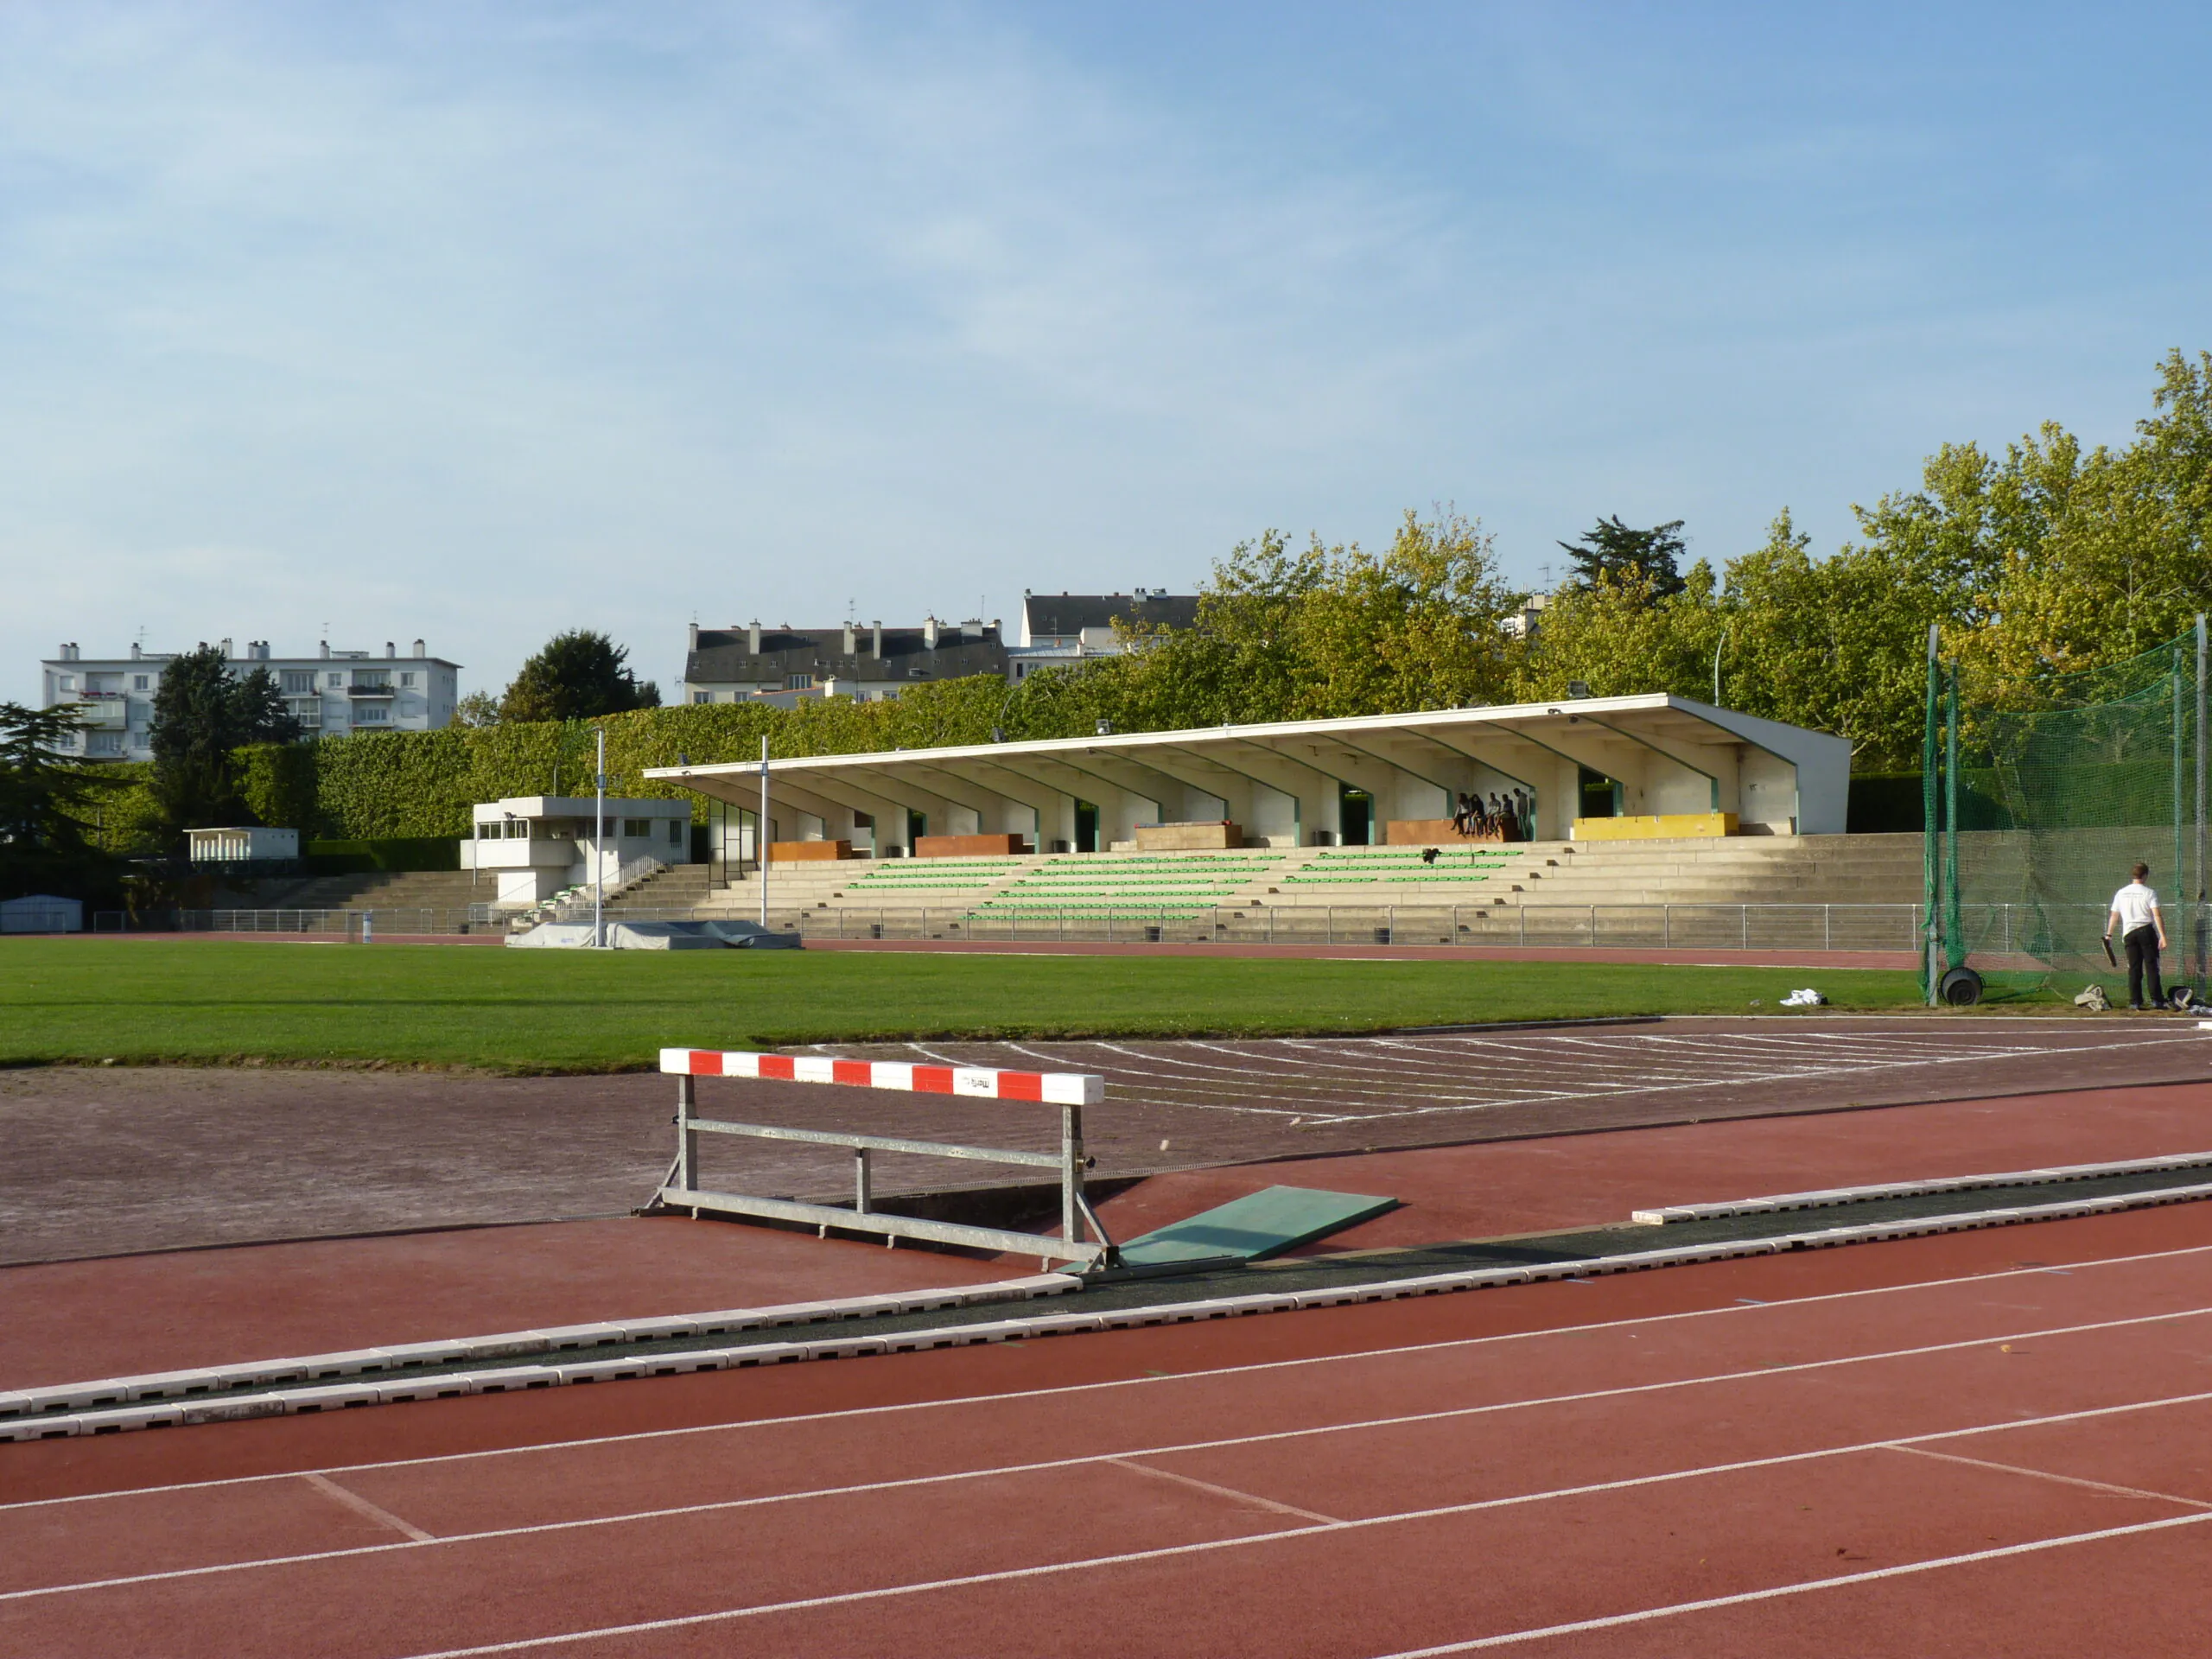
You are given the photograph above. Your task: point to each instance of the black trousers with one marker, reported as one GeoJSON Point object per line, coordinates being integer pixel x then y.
{"type": "Point", "coordinates": [2143, 958]}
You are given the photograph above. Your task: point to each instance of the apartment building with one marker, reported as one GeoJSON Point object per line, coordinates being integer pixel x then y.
{"type": "Point", "coordinates": [865, 661]}
{"type": "Point", "coordinates": [331, 694]}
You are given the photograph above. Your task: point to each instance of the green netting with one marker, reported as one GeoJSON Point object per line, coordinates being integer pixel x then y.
{"type": "Point", "coordinates": [2047, 798]}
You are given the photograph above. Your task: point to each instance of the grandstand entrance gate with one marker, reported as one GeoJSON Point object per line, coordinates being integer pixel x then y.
{"type": "Point", "coordinates": [1356, 815]}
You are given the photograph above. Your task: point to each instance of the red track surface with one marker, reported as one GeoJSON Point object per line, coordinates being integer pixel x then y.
{"type": "Point", "coordinates": [1926, 1447]}
{"type": "Point", "coordinates": [320, 1296]}
{"type": "Point", "coordinates": [1548, 1184]}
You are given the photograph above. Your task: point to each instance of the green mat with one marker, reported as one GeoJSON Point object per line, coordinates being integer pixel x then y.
{"type": "Point", "coordinates": [1263, 1223]}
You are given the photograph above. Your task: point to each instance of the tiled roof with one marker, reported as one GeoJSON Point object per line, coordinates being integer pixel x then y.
{"type": "Point", "coordinates": [723, 656]}
{"type": "Point", "coordinates": [1052, 614]}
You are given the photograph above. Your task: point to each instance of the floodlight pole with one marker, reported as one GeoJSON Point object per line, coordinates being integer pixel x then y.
{"type": "Point", "coordinates": [599, 846]}
{"type": "Point", "coordinates": [760, 833]}
{"type": "Point", "coordinates": [1718, 645]}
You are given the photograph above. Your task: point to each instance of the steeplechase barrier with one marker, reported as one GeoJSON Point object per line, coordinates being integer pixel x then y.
{"type": "Point", "coordinates": [1082, 1238]}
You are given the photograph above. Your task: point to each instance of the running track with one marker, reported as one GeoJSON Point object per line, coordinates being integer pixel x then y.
{"type": "Point", "coordinates": [1921, 1448]}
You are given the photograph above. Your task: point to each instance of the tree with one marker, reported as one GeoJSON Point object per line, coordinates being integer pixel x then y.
{"type": "Point", "coordinates": [203, 713]}
{"type": "Point", "coordinates": [577, 675]}
{"type": "Point", "coordinates": [477, 709]}
{"type": "Point", "coordinates": [44, 797]}
{"type": "Point", "coordinates": [1612, 553]}
{"type": "Point", "coordinates": [1305, 634]}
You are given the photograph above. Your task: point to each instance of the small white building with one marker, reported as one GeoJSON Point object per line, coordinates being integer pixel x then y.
{"type": "Point", "coordinates": [42, 912]}
{"type": "Point", "coordinates": [538, 845]}
{"type": "Point", "coordinates": [241, 844]}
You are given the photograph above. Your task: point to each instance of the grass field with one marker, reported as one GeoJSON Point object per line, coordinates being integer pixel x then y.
{"type": "Point", "coordinates": [138, 1001]}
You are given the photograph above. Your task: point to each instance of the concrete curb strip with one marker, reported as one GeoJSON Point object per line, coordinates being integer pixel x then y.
{"type": "Point", "coordinates": [190, 1385]}
{"type": "Point", "coordinates": [290, 1401]}
{"type": "Point", "coordinates": [1825, 1197]}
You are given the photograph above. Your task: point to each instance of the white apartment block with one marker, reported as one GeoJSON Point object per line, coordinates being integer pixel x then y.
{"type": "Point", "coordinates": [331, 694]}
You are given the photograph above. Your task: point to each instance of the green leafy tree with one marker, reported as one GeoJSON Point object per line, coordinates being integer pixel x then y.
{"type": "Point", "coordinates": [203, 713]}
{"type": "Point", "coordinates": [476, 708]}
{"type": "Point", "coordinates": [1285, 634]}
{"type": "Point", "coordinates": [580, 674]}
{"type": "Point", "coordinates": [47, 799]}
{"type": "Point", "coordinates": [1642, 560]}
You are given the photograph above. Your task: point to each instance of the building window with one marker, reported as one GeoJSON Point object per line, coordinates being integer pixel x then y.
{"type": "Point", "coordinates": [675, 832]}
{"type": "Point", "coordinates": [371, 679]}
{"type": "Point", "coordinates": [407, 679]}
{"type": "Point", "coordinates": [703, 696]}
{"type": "Point", "coordinates": [297, 682]}
{"type": "Point", "coordinates": [103, 743]}
{"type": "Point", "coordinates": [636, 829]}
{"type": "Point", "coordinates": [337, 680]}
{"type": "Point", "coordinates": [798, 681]}
{"type": "Point", "coordinates": [370, 713]}
{"type": "Point", "coordinates": [137, 682]}
{"type": "Point", "coordinates": [66, 683]}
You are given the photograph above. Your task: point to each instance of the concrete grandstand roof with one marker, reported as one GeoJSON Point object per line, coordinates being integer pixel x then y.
{"type": "Point", "coordinates": [1289, 778]}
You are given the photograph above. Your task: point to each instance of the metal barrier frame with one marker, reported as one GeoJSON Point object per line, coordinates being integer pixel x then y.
{"type": "Point", "coordinates": [684, 1189]}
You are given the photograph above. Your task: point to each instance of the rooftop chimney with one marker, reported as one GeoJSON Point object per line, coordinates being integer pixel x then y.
{"type": "Point", "coordinates": [695, 637]}
{"type": "Point", "coordinates": [929, 631]}
{"type": "Point", "coordinates": [875, 639]}
{"type": "Point", "coordinates": [136, 651]}
{"type": "Point", "coordinates": [852, 644]}
{"type": "Point", "coordinates": [325, 647]}
{"type": "Point", "coordinates": [753, 639]}
{"type": "Point", "coordinates": [227, 650]}
{"type": "Point", "coordinates": [421, 650]}
{"type": "Point", "coordinates": [391, 649]}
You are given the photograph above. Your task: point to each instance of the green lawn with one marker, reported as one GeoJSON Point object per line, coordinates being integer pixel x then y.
{"type": "Point", "coordinates": [142, 1001]}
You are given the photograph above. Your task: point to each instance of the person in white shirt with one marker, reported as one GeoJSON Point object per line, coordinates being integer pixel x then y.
{"type": "Point", "coordinates": [2143, 931]}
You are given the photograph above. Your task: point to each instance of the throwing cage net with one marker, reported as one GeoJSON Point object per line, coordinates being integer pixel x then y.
{"type": "Point", "coordinates": [2034, 816]}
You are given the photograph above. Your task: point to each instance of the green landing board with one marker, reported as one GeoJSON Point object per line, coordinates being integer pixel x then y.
{"type": "Point", "coordinates": [1260, 1224]}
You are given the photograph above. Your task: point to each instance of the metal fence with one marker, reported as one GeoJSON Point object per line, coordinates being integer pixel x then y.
{"type": "Point", "coordinates": [1702, 926]}
{"type": "Point", "coordinates": [417, 919]}
{"type": "Point", "coordinates": [1998, 931]}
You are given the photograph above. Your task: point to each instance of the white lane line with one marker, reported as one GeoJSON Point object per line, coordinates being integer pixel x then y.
{"type": "Point", "coordinates": [1196, 1484]}
{"type": "Point", "coordinates": [1059, 1389]}
{"type": "Point", "coordinates": [722, 1506]}
{"type": "Point", "coordinates": [889, 1592]}
{"type": "Point", "coordinates": [361, 1506]}
{"type": "Point", "coordinates": [1643, 1615]}
{"type": "Point", "coordinates": [2062, 1480]}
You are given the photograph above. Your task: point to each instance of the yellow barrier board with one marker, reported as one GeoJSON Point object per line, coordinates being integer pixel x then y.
{"type": "Point", "coordinates": [1674, 826]}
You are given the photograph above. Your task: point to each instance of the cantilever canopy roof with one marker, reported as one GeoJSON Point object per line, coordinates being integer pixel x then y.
{"type": "Point", "coordinates": [1296, 782]}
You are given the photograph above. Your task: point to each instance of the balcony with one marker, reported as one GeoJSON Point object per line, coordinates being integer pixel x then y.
{"type": "Point", "coordinates": [102, 710]}
{"type": "Point", "coordinates": [514, 853]}
{"type": "Point", "coordinates": [358, 692]}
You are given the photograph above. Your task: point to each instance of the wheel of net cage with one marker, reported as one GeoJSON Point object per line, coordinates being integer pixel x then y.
{"type": "Point", "coordinates": [1959, 989]}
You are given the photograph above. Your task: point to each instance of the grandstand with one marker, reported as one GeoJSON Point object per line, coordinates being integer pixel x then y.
{"type": "Point", "coordinates": [1846, 891]}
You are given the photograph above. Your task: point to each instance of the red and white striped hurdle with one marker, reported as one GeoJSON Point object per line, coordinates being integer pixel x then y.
{"type": "Point", "coordinates": [1070, 1090]}
{"type": "Point", "coordinates": [976, 1082]}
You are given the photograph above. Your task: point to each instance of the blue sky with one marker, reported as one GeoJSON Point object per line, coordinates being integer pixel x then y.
{"type": "Point", "coordinates": [477, 321]}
